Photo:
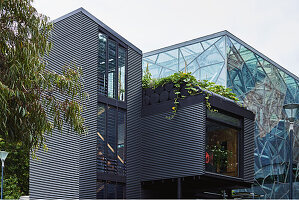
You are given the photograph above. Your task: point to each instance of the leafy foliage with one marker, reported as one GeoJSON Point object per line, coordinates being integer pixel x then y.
{"type": "Point", "coordinates": [28, 103]}
{"type": "Point", "coordinates": [188, 82]}
{"type": "Point", "coordinates": [16, 171]}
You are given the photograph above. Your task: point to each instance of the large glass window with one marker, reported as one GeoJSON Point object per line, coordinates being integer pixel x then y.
{"type": "Point", "coordinates": [222, 141]}
{"type": "Point", "coordinates": [121, 73]}
{"type": "Point", "coordinates": [111, 69]}
{"type": "Point", "coordinates": [110, 190]}
{"type": "Point", "coordinates": [102, 64]}
{"type": "Point", "coordinates": [121, 142]}
{"type": "Point", "coordinates": [111, 139]}
{"type": "Point", "coordinates": [111, 135]}
{"type": "Point", "coordinates": [101, 130]}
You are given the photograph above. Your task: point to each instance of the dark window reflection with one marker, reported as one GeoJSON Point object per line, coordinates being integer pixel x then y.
{"type": "Point", "coordinates": [221, 149]}
{"type": "Point", "coordinates": [121, 73]}
{"type": "Point", "coordinates": [111, 139]}
{"type": "Point", "coordinates": [102, 64]}
{"type": "Point", "coordinates": [101, 130]}
{"type": "Point", "coordinates": [110, 190]}
{"type": "Point", "coordinates": [100, 190]}
{"type": "Point", "coordinates": [121, 142]}
{"type": "Point", "coordinates": [112, 69]}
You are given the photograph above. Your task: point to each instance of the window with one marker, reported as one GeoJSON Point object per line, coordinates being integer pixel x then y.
{"type": "Point", "coordinates": [121, 73]}
{"type": "Point", "coordinates": [111, 139]}
{"type": "Point", "coordinates": [111, 68]}
{"type": "Point", "coordinates": [101, 135]}
{"type": "Point", "coordinates": [102, 64]}
{"type": "Point", "coordinates": [110, 190]}
{"type": "Point", "coordinates": [111, 135]}
{"type": "Point", "coordinates": [121, 142]}
{"type": "Point", "coordinates": [222, 141]}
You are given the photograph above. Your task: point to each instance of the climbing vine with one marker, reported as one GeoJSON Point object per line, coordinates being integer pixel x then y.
{"type": "Point", "coordinates": [185, 81]}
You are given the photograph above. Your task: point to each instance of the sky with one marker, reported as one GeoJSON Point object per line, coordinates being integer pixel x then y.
{"type": "Point", "coordinates": [269, 26]}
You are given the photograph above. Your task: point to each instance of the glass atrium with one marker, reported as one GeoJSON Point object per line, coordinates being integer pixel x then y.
{"type": "Point", "coordinates": [262, 85]}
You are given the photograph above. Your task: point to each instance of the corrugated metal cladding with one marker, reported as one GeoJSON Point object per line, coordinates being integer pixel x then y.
{"type": "Point", "coordinates": [134, 103]}
{"type": "Point", "coordinates": [248, 150]}
{"type": "Point", "coordinates": [68, 169]}
{"type": "Point", "coordinates": [174, 148]}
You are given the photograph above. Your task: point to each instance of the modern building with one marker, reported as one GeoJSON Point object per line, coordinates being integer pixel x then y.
{"type": "Point", "coordinates": [263, 86]}
{"type": "Point", "coordinates": [133, 151]}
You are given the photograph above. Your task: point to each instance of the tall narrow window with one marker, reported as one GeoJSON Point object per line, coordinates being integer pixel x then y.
{"type": "Point", "coordinates": [101, 132]}
{"type": "Point", "coordinates": [112, 78]}
{"type": "Point", "coordinates": [111, 139]}
{"type": "Point", "coordinates": [121, 142]}
{"type": "Point", "coordinates": [121, 73]}
{"type": "Point", "coordinates": [102, 65]}
{"type": "Point", "coordinates": [222, 141]}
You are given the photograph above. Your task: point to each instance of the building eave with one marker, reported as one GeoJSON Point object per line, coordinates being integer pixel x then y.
{"type": "Point", "coordinates": [100, 23]}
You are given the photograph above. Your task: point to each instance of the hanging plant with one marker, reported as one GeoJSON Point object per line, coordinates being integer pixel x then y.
{"type": "Point", "coordinates": [182, 82]}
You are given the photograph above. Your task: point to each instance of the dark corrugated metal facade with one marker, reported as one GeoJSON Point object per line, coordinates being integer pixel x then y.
{"type": "Point", "coordinates": [70, 168]}
{"type": "Point", "coordinates": [248, 150]}
{"type": "Point", "coordinates": [56, 172]}
{"type": "Point", "coordinates": [174, 148]}
{"type": "Point", "coordinates": [134, 103]}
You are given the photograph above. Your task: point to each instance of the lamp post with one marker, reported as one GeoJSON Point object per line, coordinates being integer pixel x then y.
{"type": "Point", "coordinates": [3, 155]}
{"type": "Point", "coordinates": [291, 110]}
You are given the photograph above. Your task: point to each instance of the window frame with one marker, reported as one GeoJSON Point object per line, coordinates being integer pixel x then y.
{"type": "Point", "coordinates": [119, 43]}
{"type": "Point", "coordinates": [240, 139]}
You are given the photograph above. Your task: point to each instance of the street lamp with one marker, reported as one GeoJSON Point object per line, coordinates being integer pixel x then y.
{"type": "Point", "coordinates": [3, 155]}
{"type": "Point", "coordinates": [291, 110]}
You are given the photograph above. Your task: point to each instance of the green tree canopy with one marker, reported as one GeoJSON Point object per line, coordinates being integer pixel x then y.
{"type": "Point", "coordinates": [29, 108]}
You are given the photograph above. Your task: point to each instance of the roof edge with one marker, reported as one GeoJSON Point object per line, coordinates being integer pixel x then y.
{"type": "Point", "coordinates": [261, 55]}
{"type": "Point", "coordinates": [221, 33]}
{"type": "Point", "coordinates": [175, 46]}
{"type": "Point", "coordinates": [100, 23]}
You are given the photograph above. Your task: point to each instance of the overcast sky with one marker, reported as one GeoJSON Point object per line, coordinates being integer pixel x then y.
{"type": "Point", "coordinates": [270, 26]}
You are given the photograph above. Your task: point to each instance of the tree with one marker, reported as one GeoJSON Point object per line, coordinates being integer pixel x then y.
{"type": "Point", "coordinates": [28, 104]}
{"type": "Point", "coordinates": [16, 171]}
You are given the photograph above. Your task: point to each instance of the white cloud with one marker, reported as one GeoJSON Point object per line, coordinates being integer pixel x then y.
{"type": "Point", "coordinates": [270, 26]}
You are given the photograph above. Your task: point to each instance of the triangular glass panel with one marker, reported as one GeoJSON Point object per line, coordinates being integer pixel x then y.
{"type": "Point", "coordinates": [166, 72]}
{"type": "Point", "coordinates": [169, 59]}
{"type": "Point", "coordinates": [168, 56]}
{"type": "Point", "coordinates": [220, 44]}
{"type": "Point", "coordinates": [190, 52]}
{"type": "Point", "coordinates": [192, 67]}
{"type": "Point", "coordinates": [221, 80]}
{"type": "Point", "coordinates": [151, 59]}
{"type": "Point", "coordinates": [206, 44]}
{"type": "Point", "coordinates": [210, 72]}
{"type": "Point", "coordinates": [233, 56]}
{"type": "Point", "coordinates": [210, 56]}
{"type": "Point", "coordinates": [235, 43]}
{"type": "Point", "coordinates": [182, 62]}
{"type": "Point", "coordinates": [155, 70]}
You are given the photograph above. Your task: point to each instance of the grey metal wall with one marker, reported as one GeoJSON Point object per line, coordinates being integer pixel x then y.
{"type": "Point", "coordinates": [68, 169]}
{"type": "Point", "coordinates": [89, 63]}
{"type": "Point", "coordinates": [174, 148]}
{"type": "Point", "coordinates": [56, 173]}
{"type": "Point", "coordinates": [248, 150]}
{"type": "Point", "coordinates": [134, 103]}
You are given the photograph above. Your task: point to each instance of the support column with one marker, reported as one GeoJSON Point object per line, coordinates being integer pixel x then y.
{"type": "Point", "coordinates": [179, 189]}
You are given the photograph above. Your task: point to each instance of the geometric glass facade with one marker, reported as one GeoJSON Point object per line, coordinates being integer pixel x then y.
{"type": "Point", "coordinates": [261, 84]}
